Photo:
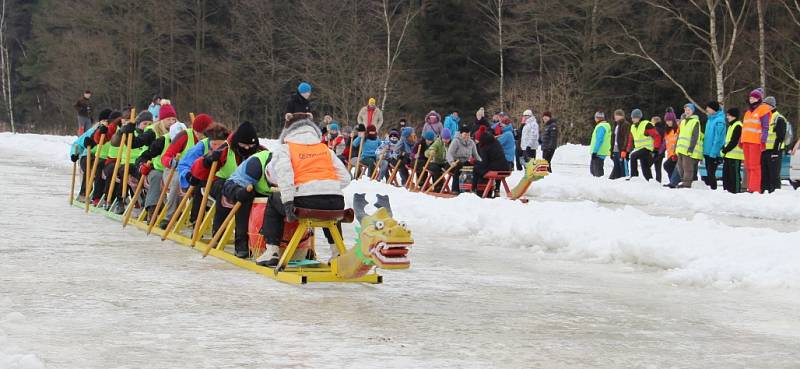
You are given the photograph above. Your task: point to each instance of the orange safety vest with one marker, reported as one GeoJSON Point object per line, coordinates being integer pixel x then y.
{"type": "Point", "coordinates": [751, 124]}
{"type": "Point", "coordinates": [311, 163]}
{"type": "Point", "coordinates": [671, 140]}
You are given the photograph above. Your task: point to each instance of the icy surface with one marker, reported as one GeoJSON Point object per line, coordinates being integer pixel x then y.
{"type": "Point", "coordinates": [591, 273]}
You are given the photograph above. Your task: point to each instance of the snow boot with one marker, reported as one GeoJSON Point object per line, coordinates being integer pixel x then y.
{"type": "Point", "coordinates": [163, 224]}
{"type": "Point", "coordinates": [117, 208]}
{"type": "Point", "coordinates": [242, 251]}
{"type": "Point", "coordinates": [270, 257]}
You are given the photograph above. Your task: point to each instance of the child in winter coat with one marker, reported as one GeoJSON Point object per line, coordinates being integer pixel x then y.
{"type": "Point", "coordinates": [506, 139]}
{"type": "Point", "coordinates": [371, 143]}
{"type": "Point", "coordinates": [334, 140]}
{"type": "Point", "coordinates": [433, 123]}
{"type": "Point", "coordinates": [437, 153]}
{"type": "Point", "coordinates": [391, 151]}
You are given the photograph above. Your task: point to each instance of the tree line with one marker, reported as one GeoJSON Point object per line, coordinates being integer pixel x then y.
{"type": "Point", "coordinates": [240, 59]}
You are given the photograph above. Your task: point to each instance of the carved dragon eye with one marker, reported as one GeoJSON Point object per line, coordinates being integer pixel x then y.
{"type": "Point", "coordinates": [403, 224]}
{"type": "Point", "coordinates": [379, 225]}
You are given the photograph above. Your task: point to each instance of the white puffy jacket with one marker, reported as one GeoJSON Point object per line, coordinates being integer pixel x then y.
{"type": "Point", "coordinates": [280, 171]}
{"type": "Point", "coordinates": [530, 134]}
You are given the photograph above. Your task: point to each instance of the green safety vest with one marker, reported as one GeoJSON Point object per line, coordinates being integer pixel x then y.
{"type": "Point", "coordinates": [685, 138]}
{"type": "Point", "coordinates": [157, 160]}
{"type": "Point", "coordinates": [229, 167]}
{"type": "Point", "coordinates": [189, 141]}
{"type": "Point", "coordinates": [640, 139]}
{"type": "Point", "coordinates": [114, 151]}
{"type": "Point", "coordinates": [262, 187]}
{"type": "Point", "coordinates": [737, 152]}
{"type": "Point", "coordinates": [771, 136]}
{"type": "Point", "coordinates": [605, 146]}
{"type": "Point", "coordinates": [104, 152]}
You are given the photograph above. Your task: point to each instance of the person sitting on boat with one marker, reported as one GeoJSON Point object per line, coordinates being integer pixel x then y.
{"type": "Point", "coordinates": [216, 134]}
{"type": "Point", "coordinates": [240, 145]}
{"type": "Point", "coordinates": [308, 174]}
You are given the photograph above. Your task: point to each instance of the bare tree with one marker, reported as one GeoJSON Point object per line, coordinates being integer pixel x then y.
{"type": "Point", "coordinates": [493, 12]}
{"type": "Point", "coordinates": [762, 65]}
{"type": "Point", "coordinates": [5, 67]}
{"type": "Point", "coordinates": [392, 20]}
{"type": "Point", "coordinates": [718, 36]}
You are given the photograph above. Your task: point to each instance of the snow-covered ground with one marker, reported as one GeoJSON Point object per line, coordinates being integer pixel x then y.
{"type": "Point", "coordinates": [590, 273]}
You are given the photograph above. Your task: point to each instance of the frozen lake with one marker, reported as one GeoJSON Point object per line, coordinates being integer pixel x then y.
{"type": "Point", "coordinates": [78, 291]}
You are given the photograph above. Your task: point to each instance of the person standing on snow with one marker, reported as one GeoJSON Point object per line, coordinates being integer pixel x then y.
{"type": "Point", "coordinates": [452, 122]}
{"type": "Point", "coordinates": [549, 139]}
{"type": "Point", "coordinates": [85, 110]}
{"type": "Point", "coordinates": [670, 145]}
{"type": "Point", "coordinates": [371, 115]}
{"type": "Point", "coordinates": [755, 130]}
{"type": "Point", "coordinates": [308, 175]}
{"type": "Point", "coordinates": [154, 107]}
{"type": "Point", "coordinates": [600, 145]}
{"type": "Point", "coordinates": [690, 146]}
{"type": "Point", "coordinates": [642, 142]}
{"type": "Point", "coordinates": [298, 101]}
{"type": "Point", "coordinates": [461, 152]}
{"type": "Point", "coordinates": [732, 153]}
{"type": "Point", "coordinates": [773, 150]}
{"type": "Point", "coordinates": [433, 123]}
{"type": "Point", "coordinates": [713, 140]}
{"type": "Point", "coordinates": [506, 138]}
{"type": "Point", "coordinates": [529, 140]}
{"type": "Point", "coordinates": [620, 142]}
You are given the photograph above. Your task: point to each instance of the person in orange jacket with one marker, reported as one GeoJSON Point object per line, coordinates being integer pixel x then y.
{"type": "Point", "coordinates": [755, 128]}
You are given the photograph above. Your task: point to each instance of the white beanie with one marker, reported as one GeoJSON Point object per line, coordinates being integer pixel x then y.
{"type": "Point", "coordinates": [175, 129]}
{"type": "Point", "coordinates": [527, 113]}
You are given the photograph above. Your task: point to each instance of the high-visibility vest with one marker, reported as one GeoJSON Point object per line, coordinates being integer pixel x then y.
{"type": "Point", "coordinates": [103, 152]}
{"type": "Point", "coordinates": [605, 146]}
{"type": "Point", "coordinates": [189, 141]}
{"type": "Point", "coordinates": [671, 141]}
{"type": "Point", "coordinates": [311, 163]}
{"type": "Point", "coordinates": [771, 135]}
{"type": "Point", "coordinates": [640, 139]}
{"type": "Point", "coordinates": [262, 187]}
{"type": "Point", "coordinates": [115, 151]}
{"type": "Point", "coordinates": [751, 124]}
{"type": "Point", "coordinates": [737, 152]}
{"type": "Point", "coordinates": [685, 138]}
{"type": "Point", "coordinates": [157, 160]}
{"type": "Point", "coordinates": [229, 167]}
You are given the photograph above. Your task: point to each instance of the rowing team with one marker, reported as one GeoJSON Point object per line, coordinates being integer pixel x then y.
{"type": "Point", "coordinates": [166, 160]}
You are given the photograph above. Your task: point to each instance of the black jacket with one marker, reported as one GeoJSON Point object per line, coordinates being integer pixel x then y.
{"type": "Point", "coordinates": [297, 104]}
{"type": "Point", "coordinates": [550, 135]}
{"type": "Point", "coordinates": [492, 155]}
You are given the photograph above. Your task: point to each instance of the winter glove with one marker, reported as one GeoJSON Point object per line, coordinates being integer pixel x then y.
{"type": "Point", "coordinates": [74, 158]}
{"type": "Point", "coordinates": [242, 195]}
{"type": "Point", "coordinates": [211, 157]}
{"type": "Point", "coordinates": [623, 154]}
{"type": "Point", "coordinates": [594, 156]}
{"type": "Point", "coordinates": [193, 181]}
{"type": "Point", "coordinates": [145, 169]}
{"type": "Point", "coordinates": [288, 208]}
{"type": "Point", "coordinates": [471, 161]}
{"type": "Point", "coordinates": [88, 142]}
{"type": "Point", "coordinates": [673, 158]}
{"type": "Point", "coordinates": [128, 128]}
{"type": "Point", "coordinates": [102, 129]}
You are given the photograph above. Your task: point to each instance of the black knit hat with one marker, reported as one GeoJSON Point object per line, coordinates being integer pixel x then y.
{"type": "Point", "coordinates": [246, 134]}
{"type": "Point", "coordinates": [734, 112]}
{"type": "Point", "coordinates": [104, 114]}
{"type": "Point", "coordinates": [464, 129]}
{"type": "Point", "coordinates": [114, 115]}
{"type": "Point", "coordinates": [361, 128]}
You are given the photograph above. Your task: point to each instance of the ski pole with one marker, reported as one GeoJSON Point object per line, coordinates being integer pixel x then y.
{"type": "Point", "coordinates": [224, 225]}
{"type": "Point", "coordinates": [196, 233]}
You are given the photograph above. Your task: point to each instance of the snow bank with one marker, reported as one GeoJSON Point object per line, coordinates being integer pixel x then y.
{"type": "Point", "coordinates": [11, 356]}
{"type": "Point", "coordinates": [695, 251]}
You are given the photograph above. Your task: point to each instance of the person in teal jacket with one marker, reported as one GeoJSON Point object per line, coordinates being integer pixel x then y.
{"type": "Point", "coordinates": [77, 151]}
{"type": "Point", "coordinates": [452, 122]}
{"type": "Point", "coordinates": [714, 139]}
{"type": "Point", "coordinates": [506, 139]}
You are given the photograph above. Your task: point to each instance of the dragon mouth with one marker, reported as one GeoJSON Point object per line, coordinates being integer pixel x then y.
{"type": "Point", "coordinates": [392, 253]}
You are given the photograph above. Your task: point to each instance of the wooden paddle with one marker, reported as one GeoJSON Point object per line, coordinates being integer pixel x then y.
{"type": "Point", "coordinates": [86, 174]}
{"type": "Point", "coordinates": [375, 171]}
{"type": "Point", "coordinates": [94, 169]}
{"type": "Point", "coordinates": [113, 178]}
{"type": "Point", "coordinates": [414, 172]}
{"type": "Point", "coordinates": [349, 153]}
{"type": "Point", "coordinates": [197, 222]}
{"type": "Point", "coordinates": [224, 225]}
{"type": "Point", "coordinates": [178, 210]}
{"type": "Point", "coordinates": [358, 158]}
{"type": "Point", "coordinates": [433, 186]}
{"type": "Point", "coordinates": [127, 170]}
{"type": "Point", "coordinates": [164, 189]}
{"type": "Point", "coordinates": [74, 173]}
{"type": "Point", "coordinates": [135, 198]}
{"type": "Point", "coordinates": [390, 180]}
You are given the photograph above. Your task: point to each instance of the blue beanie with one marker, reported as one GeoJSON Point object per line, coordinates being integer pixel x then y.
{"type": "Point", "coordinates": [303, 87]}
{"type": "Point", "coordinates": [429, 135]}
{"type": "Point", "coordinates": [691, 107]}
{"type": "Point", "coordinates": [333, 127]}
{"type": "Point", "coordinates": [446, 134]}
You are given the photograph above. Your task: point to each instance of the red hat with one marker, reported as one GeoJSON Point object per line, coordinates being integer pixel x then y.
{"type": "Point", "coordinates": [166, 111]}
{"type": "Point", "coordinates": [201, 122]}
{"type": "Point", "coordinates": [547, 114]}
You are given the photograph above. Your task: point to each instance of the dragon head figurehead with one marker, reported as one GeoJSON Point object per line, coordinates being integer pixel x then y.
{"type": "Point", "coordinates": [534, 170]}
{"type": "Point", "coordinates": [382, 241]}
